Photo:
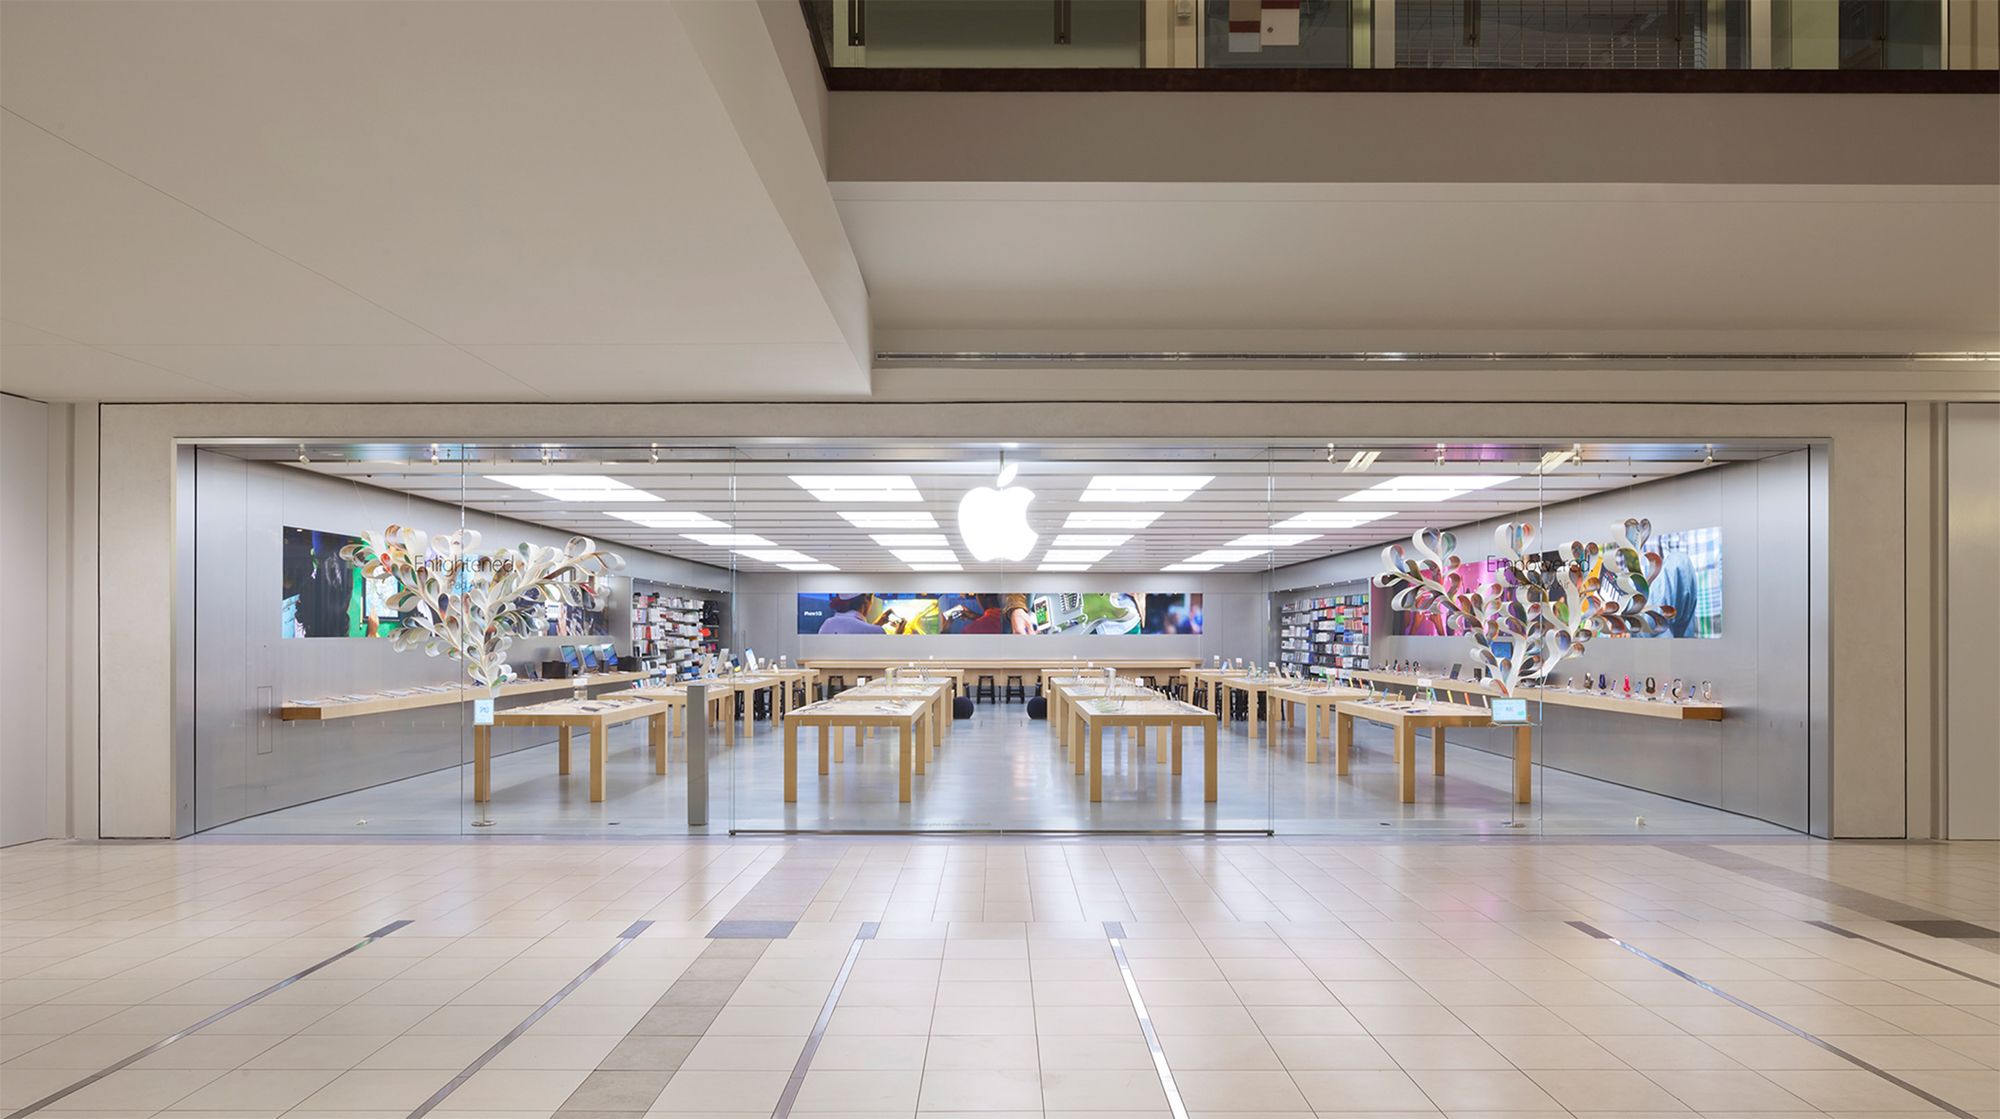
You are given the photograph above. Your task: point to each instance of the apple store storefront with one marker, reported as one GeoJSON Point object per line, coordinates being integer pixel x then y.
{"type": "Point", "coordinates": [876, 637]}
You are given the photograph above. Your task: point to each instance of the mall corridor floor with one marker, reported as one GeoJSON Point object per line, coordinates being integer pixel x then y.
{"type": "Point", "coordinates": [518, 979]}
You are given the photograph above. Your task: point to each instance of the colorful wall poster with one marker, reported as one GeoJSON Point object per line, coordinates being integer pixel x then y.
{"type": "Point", "coordinates": [924, 613]}
{"type": "Point", "coordinates": [323, 595]}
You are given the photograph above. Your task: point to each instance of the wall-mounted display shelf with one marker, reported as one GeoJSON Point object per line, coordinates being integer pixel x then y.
{"type": "Point", "coordinates": [1326, 631]}
{"type": "Point", "coordinates": [668, 624]}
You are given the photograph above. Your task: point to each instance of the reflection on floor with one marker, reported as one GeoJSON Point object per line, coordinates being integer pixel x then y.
{"type": "Point", "coordinates": [929, 979]}
{"type": "Point", "coordinates": [1001, 771]}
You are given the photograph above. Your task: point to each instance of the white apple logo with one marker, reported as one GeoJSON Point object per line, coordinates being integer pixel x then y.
{"type": "Point", "coordinates": [994, 523]}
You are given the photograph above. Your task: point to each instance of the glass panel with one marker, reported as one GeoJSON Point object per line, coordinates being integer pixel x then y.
{"type": "Point", "coordinates": [1014, 34]}
{"type": "Point", "coordinates": [1247, 33]}
{"type": "Point", "coordinates": [1586, 34]}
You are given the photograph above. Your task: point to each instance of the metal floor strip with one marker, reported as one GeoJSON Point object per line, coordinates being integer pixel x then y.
{"type": "Point", "coordinates": [630, 934]}
{"type": "Point", "coordinates": [1115, 932]}
{"type": "Point", "coordinates": [803, 1065]}
{"type": "Point", "coordinates": [1852, 935]}
{"type": "Point", "coordinates": [1857, 1062]}
{"type": "Point", "coordinates": [218, 1016]}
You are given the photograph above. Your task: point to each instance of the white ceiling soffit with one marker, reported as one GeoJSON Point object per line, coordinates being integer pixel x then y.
{"type": "Point", "coordinates": [418, 200]}
{"type": "Point", "coordinates": [1548, 267]}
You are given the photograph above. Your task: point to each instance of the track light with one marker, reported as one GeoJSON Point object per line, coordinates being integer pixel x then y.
{"type": "Point", "coordinates": [434, 454]}
{"type": "Point", "coordinates": [303, 460]}
{"type": "Point", "coordinates": [1440, 458]}
{"type": "Point", "coordinates": [1361, 461]}
{"type": "Point", "coordinates": [1708, 455]}
{"type": "Point", "coordinates": [656, 454]}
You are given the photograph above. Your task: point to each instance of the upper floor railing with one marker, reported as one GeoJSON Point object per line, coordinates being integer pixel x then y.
{"type": "Point", "coordinates": [882, 43]}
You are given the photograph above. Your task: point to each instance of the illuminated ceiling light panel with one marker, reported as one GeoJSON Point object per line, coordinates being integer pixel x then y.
{"type": "Point", "coordinates": [776, 555]}
{"type": "Point", "coordinates": [808, 567]}
{"type": "Point", "coordinates": [1270, 540]}
{"type": "Point", "coordinates": [668, 520]}
{"type": "Point", "coordinates": [1144, 487]}
{"type": "Point", "coordinates": [1327, 518]}
{"type": "Point", "coordinates": [1109, 519]}
{"type": "Point", "coordinates": [728, 539]}
{"type": "Point", "coordinates": [1089, 540]}
{"type": "Point", "coordinates": [574, 487]}
{"type": "Point", "coordinates": [1074, 555]}
{"type": "Point", "coordinates": [1064, 567]}
{"type": "Point", "coordinates": [935, 567]}
{"type": "Point", "coordinates": [1428, 487]}
{"type": "Point", "coordinates": [913, 519]}
{"type": "Point", "coordinates": [925, 555]}
{"type": "Point", "coordinates": [913, 540]}
{"type": "Point", "coordinates": [1191, 567]}
{"type": "Point", "coordinates": [1225, 555]}
{"type": "Point", "coordinates": [859, 487]}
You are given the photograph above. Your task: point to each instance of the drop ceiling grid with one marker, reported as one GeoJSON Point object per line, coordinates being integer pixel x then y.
{"type": "Point", "coordinates": [1246, 496]}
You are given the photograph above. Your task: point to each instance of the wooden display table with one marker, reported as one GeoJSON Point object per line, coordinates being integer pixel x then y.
{"type": "Point", "coordinates": [721, 704]}
{"type": "Point", "coordinates": [1213, 677]}
{"type": "Point", "coordinates": [1313, 699]}
{"type": "Point", "coordinates": [1406, 722]}
{"type": "Point", "coordinates": [1554, 697]}
{"type": "Point", "coordinates": [595, 717]}
{"type": "Point", "coordinates": [1094, 714]}
{"type": "Point", "coordinates": [934, 691]}
{"type": "Point", "coordinates": [411, 699]}
{"type": "Point", "coordinates": [795, 677]}
{"type": "Point", "coordinates": [1035, 668]}
{"type": "Point", "coordinates": [1062, 692]}
{"type": "Point", "coordinates": [908, 716]}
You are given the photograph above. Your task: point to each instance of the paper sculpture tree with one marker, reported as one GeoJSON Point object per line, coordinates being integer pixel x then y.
{"type": "Point", "coordinates": [1544, 607]}
{"type": "Point", "coordinates": [458, 602]}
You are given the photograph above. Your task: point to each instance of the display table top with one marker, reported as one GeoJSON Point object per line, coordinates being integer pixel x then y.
{"type": "Point", "coordinates": [433, 695]}
{"type": "Point", "coordinates": [1556, 697]}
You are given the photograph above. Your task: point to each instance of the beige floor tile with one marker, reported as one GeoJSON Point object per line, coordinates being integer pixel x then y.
{"type": "Point", "coordinates": [1647, 1052]}
{"type": "Point", "coordinates": [980, 1090]}
{"type": "Point", "coordinates": [866, 1091]}
{"type": "Point", "coordinates": [378, 1089]}
{"type": "Point", "coordinates": [1348, 1091]}
{"type": "Point", "coordinates": [1602, 1090]}
{"type": "Point", "coordinates": [1481, 1089]}
{"type": "Point", "coordinates": [993, 1051]}
{"type": "Point", "coordinates": [1418, 1051]}
{"type": "Point", "coordinates": [1717, 1090]}
{"type": "Point", "coordinates": [1239, 1090]}
{"type": "Point", "coordinates": [279, 1089]}
{"type": "Point", "coordinates": [1102, 1089]}
{"type": "Point", "coordinates": [696, 1090]}
{"type": "Point", "coordinates": [719, 1053]}
{"type": "Point", "coordinates": [1554, 1051]}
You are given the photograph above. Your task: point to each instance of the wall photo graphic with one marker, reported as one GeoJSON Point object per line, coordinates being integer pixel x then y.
{"type": "Point", "coordinates": [923, 613]}
{"type": "Point", "coordinates": [323, 595]}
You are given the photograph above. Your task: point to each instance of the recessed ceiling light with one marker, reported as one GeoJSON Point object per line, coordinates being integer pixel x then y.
{"type": "Point", "coordinates": [728, 539]}
{"type": "Point", "coordinates": [1144, 487]}
{"type": "Point", "coordinates": [574, 487]}
{"type": "Point", "coordinates": [935, 567]}
{"type": "Point", "coordinates": [1428, 487]}
{"type": "Point", "coordinates": [1191, 567]}
{"type": "Point", "coordinates": [1109, 519]}
{"type": "Point", "coordinates": [1089, 540]}
{"type": "Point", "coordinates": [925, 555]}
{"type": "Point", "coordinates": [1270, 540]}
{"type": "Point", "coordinates": [915, 518]}
{"type": "Point", "coordinates": [1064, 567]}
{"type": "Point", "coordinates": [859, 487]}
{"type": "Point", "coordinates": [1327, 518]}
{"type": "Point", "coordinates": [776, 555]}
{"type": "Point", "coordinates": [913, 540]}
{"type": "Point", "coordinates": [1225, 555]}
{"type": "Point", "coordinates": [808, 567]}
{"type": "Point", "coordinates": [668, 520]}
{"type": "Point", "coordinates": [1074, 555]}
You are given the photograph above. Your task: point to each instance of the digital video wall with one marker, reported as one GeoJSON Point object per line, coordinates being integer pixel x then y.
{"type": "Point", "coordinates": [912, 613]}
{"type": "Point", "coordinates": [1690, 581]}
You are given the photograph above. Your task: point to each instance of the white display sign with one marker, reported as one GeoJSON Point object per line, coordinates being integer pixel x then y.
{"type": "Point", "coordinates": [482, 712]}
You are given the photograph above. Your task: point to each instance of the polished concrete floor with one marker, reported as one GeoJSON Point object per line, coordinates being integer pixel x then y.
{"type": "Point", "coordinates": [1000, 770]}
{"type": "Point", "coordinates": [755, 977]}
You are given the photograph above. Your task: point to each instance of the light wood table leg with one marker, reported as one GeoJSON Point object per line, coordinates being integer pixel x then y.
{"type": "Point", "coordinates": [600, 750]}
{"type": "Point", "coordinates": [1312, 732]}
{"type": "Point", "coordinates": [747, 701]}
{"type": "Point", "coordinates": [1406, 762]}
{"type": "Point", "coordinates": [1274, 711]}
{"type": "Point", "coordinates": [825, 732]}
{"type": "Point", "coordinates": [1343, 741]}
{"type": "Point", "coordinates": [1096, 761]}
{"type": "Point", "coordinates": [840, 742]}
{"type": "Point", "coordinates": [656, 730]}
{"type": "Point", "coordinates": [1177, 748]}
{"type": "Point", "coordinates": [1211, 762]}
{"type": "Point", "coordinates": [904, 756]}
{"type": "Point", "coordinates": [562, 750]}
{"type": "Point", "coordinates": [1159, 745]}
{"type": "Point", "coordinates": [924, 742]}
{"type": "Point", "coordinates": [1524, 764]}
{"type": "Point", "coordinates": [792, 760]}
{"type": "Point", "coordinates": [1250, 714]}
{"type": "Point", "coordinates": [1078, 730]}
{"type": "Point", "coordinates": [482, 764]}
{"type": "Point", "coordinates": [1437, 751]}
{"type": "Point", "coordinates": [728, 711]}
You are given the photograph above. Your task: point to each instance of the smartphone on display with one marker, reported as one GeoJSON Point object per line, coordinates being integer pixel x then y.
{"type": "Point", "coordinates": [589, 657]}
{"type": "Point", "coordinates": [569, 658]}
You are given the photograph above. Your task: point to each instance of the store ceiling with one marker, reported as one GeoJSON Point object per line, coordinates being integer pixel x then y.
{"type": "Point", "coordinates": [751, 492]}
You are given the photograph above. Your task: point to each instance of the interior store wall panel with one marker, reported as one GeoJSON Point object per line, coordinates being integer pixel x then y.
{"type": "Point", "coordinates": [1754, 761]}
{"type": "Point", "coordinates": [1972, 565]}
{"type": "Point", "coordinates": [248, 761]}
{"type": "Point", "coordinates": [24, 672]}
{"type": "Point", "coordinates": [1232, 626]}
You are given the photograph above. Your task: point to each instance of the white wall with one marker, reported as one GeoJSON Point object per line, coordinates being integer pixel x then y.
{"type": "Point", "coordinates": [24, 618]}
{"type": "Point", "coordinates": [1972, 618]}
